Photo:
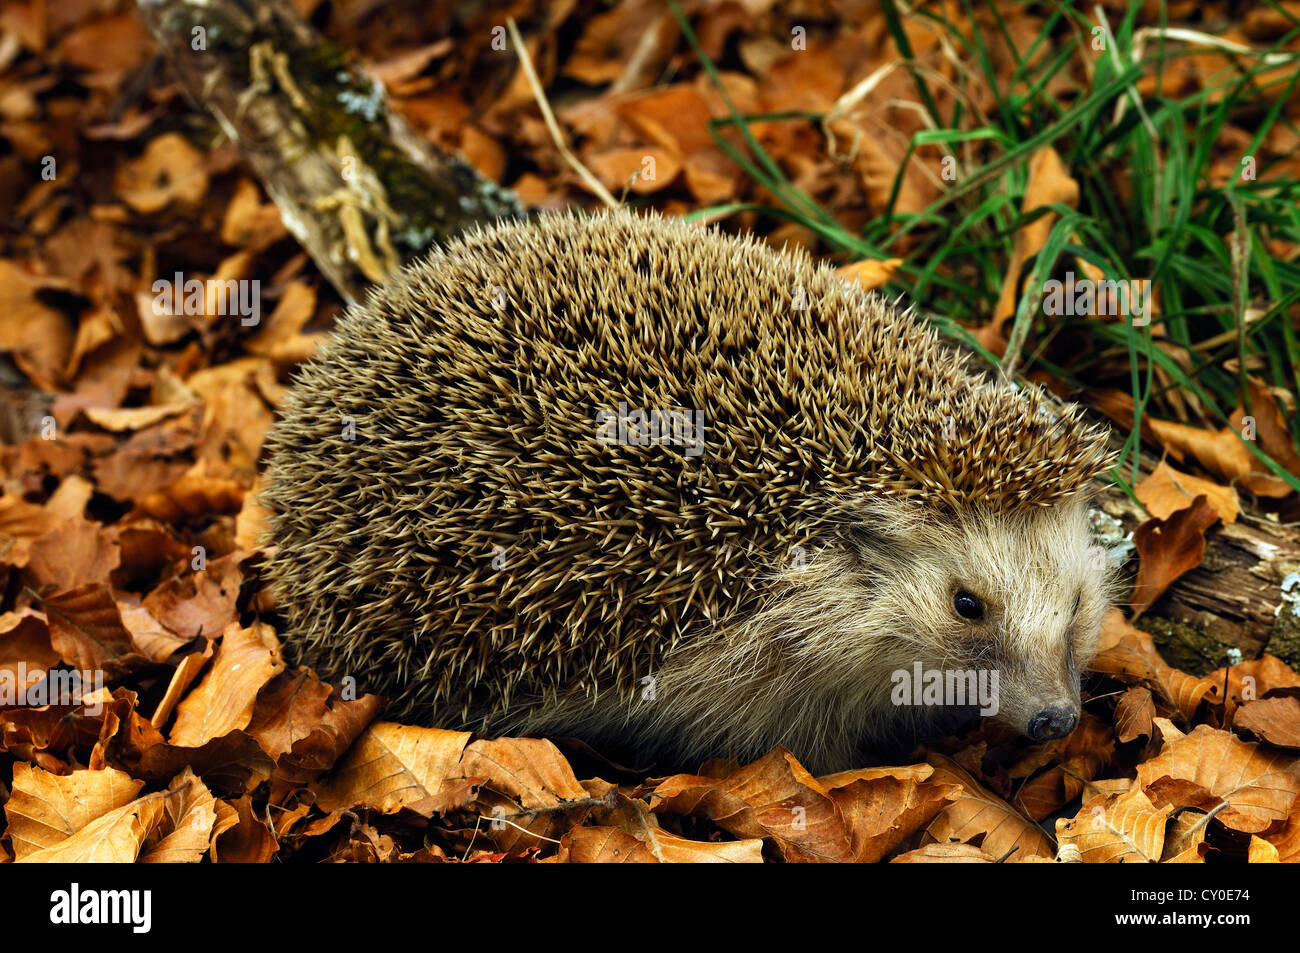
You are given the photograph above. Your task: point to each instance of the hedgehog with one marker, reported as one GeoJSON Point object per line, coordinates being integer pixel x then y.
{"type": "Point", "coordinates": [627, 479]}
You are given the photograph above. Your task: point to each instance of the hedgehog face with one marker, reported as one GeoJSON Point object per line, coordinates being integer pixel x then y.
{"type": "Point", "coordinates": [1000, 610]}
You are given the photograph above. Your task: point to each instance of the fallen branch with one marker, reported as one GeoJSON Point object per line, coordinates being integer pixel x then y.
{"type": "Point", "coordinates": [358, 187]}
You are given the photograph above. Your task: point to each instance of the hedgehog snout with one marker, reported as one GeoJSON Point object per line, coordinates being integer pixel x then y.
{"type": "Point", "coordinates": [1054, 722]}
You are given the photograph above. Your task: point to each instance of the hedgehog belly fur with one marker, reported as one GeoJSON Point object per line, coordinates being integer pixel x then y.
{"type": "Point", "coordinates": [629, 478]}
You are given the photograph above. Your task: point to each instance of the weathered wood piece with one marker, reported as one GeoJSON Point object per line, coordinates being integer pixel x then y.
{"type": "Point", "coordinates": [1243, 598]}
{"type": "Point", "coordinates": [359, 188]}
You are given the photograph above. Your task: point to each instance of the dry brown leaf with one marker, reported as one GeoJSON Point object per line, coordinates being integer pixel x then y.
{"type": "Point", "coordinates": [114, 837]}
{"type": "Point", "coordinates": [1074, 760]}
{"type": "Point", "coordinates": [239, 836]}
{"type": "Point", "coordinates": [1248, 681]}
{"type": "Point", "coordinates": [945, 854]}
{"type": "Point", "coordinates": [25, 648]}
{"type": "Point", "coordinates": [881, 812]}
{"type": "Point", "coordinates": [39, 338]}
{"type": "Point", "coordinates": [189, 815]}
{"type": "Point", "coordinates": [911, 772]}
{"type": "Point", "coordinates": [1129, 654]}
{"type": "Point", "coordinates": [1123, 829]}
{"type": "Point", "coordinates": [1133, 714]}
{"type": "Point", "coordinates": [69, 501]}
{"type": "Point", "coordinates": [21, 524]}
{"type": "Point", "coordinates": [870, 273]}
{"type": "Point", "coordinates": [181, 679]}
{"type": "Point", "coordinates": [530, 770]}
{"type": "Point", "coordinates": [1221, 452]}
{"type": "Point", "coordinates": [223, 701]}
{"type": "Point", "coordinates": [603, 845]}
{"type": "Point", "coordinates": [200, 603]}
{"type": "Point", "coordinates": [1183, 839]}
{"type": "Point", "coordinates": [304, 752]}
{"type": "Point", "coordinates": [1049, 184]}
{"type": "Point", "coordinates": [641, 170]}
{"type": "Point", "coordinates": [1166, 491]}
{"type": "Point", "coordinates": [1262, 852]}
{"type": "Point", "coordinates": [86, 630]}
{"type": "Point", "coordinates": [1169, 548]}
{"type": "Point", "coordinates": [114, 43]}
{"type": "Point", "coordinates": [1270, 427]}
{"type": "Point", "coordinates": [1287, 840]}
{"type": "Point", "coordinates": [982, 815]}
{"type": "Point", "coordinates": [73, 554]}
{"type": "Point", "coordinates": [133, 418]}
{"type": "Point", "coordinates": [1273, 720]}
{"type": "Point", "coordinates": [170, 170]}
{"type": "Point", "coordinates": [1260, 786]}
{"type": "Point", "coordinates": [150, 638]}
{"type": "Point", "coordinates": [196, 494]}
{"type": "Point", "coordinates": [45, 809]}
{"type": "Point", "coordinates": [292, 312]}
{"type": "Point", "coordinates": [391, 766]}
{"type": "Point", "coordinates": [775, 797]}
{"type": "Point", "coordinates": [248, 222]}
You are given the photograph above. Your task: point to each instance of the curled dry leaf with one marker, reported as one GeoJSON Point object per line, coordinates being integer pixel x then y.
{"type": "Point", "coordinates": [224, 700]}
{"type": "Point", "coordinates": [1184, 838]}
{"type": "Point", "coordinates": [25, 648]}
{"type": "Point", "coordinates": [1049, 184]}
{"type": "Point", "coordinates": [775, 797]}
{"type": "Point", "coordinates": [170, 170]}
{"type": "Point", "coordinates": [1075, 759]}
{"type": "Point", "coordinates": [189, 814]}
{"type": "Point", "coordinates": [239, 836]}
{"type": "Point", "coordinates": [1133, 714]}
{"type": "Point", "coordinates": [199, 603]}
{"type": "Point", "coordinates": [870, 273]}
{"type": "Point", "coordinates": [1169, 548]}
{"type": "Point", "coordinates": [981, 815]}
{"type": "Point", "coordinates": [307, 727]}
{"type": "Point", "coordinates": [133, 418]}
{"type": "Point", "coordinates": [881, 812]}
{"type": "Point", "coordinates": [1287, 840]}
{"type": "Point", "coordinates": [114, 837]}
{"type": "Point", "coordinates": [1129, 655]}
{"type": "Point", "coordinates": [182, 677]}
{"type": "Point", "coordinates": [945, 854]}
{"type": "Point", "coordinates": [196, 494]}
{"type": "Point", "coordinates": [1166, 491]}
{"type": "Point", "coordinates": [1121, 829]}
{"type": "Point", "coordinates": [1246, 681]}
{"type": "Point", "coordinates": [150, 638]}
{"type": "Point", "coordinates": [1274, 720]}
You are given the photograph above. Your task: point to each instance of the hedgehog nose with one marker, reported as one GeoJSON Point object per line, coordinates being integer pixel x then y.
{"type": "Point", "coordinates": [1056, 722]}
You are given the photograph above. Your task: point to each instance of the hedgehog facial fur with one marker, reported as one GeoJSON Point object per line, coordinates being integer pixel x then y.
{"type": "Point", "coordinates": [454, 526]}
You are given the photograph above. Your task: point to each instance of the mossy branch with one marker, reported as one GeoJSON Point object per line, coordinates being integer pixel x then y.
{"type": "Point", "coordinates": [357, 186]}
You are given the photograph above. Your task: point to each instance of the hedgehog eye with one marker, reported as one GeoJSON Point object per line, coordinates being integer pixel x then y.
{"type": "Point", "coordinates": [968, 606]}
